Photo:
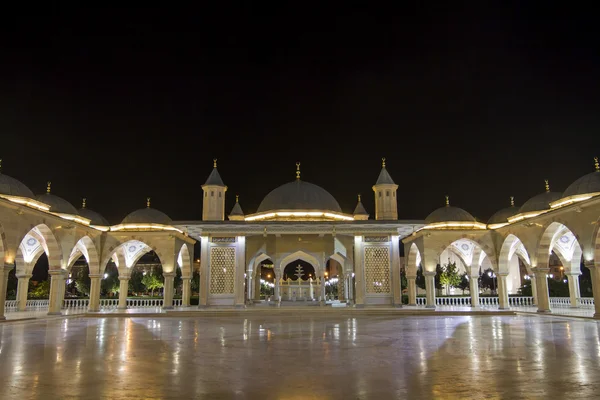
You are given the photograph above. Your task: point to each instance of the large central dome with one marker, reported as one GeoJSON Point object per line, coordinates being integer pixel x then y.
{"type": "Point", "coordinates": [299, 195]}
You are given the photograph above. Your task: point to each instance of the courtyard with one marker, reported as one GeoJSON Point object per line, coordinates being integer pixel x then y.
{"type": "Point", "coordinates": [300, 357]}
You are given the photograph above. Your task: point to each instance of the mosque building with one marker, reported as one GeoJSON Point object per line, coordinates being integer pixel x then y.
{"type": "Point", "coordinates": [302, 221]}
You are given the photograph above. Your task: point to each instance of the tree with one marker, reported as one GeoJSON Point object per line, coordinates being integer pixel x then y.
{"type": "Point", "coordinates": [195, 284]}
{"type": "Point", "coordinates": [82, 281]}
{"type": "Point", "coordinates": [464, 283]}
{"type": "Point", "coordinates": [438, 275]}
{"type": "Point", "coordinates": [110, 285]}
{"type": "Point", "coordinates": [152, 282]}
{"type": "Point", "coordinates": [449, 276]}
{"type": "Point", "coordinates": [486, 281]}
{"type": "Point", "coordinates": [135, 281]}
{"type": "Point", "coordinates": [403, 280]}
{"type": "Point", "coordinates": [41, 290]}
{"type": "Point", "coordinates": [420, 280]}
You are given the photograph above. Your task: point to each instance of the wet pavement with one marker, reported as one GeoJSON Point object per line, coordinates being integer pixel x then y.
{"type": "Point", "coordinates": [301, 357]}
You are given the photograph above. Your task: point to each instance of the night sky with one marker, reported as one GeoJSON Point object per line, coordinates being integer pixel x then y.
{"type": "Point", "coordinates": [480, 104]}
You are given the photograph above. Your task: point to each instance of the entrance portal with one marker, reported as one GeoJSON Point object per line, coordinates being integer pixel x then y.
{"type": "Point", "coordinates": [299, 282]}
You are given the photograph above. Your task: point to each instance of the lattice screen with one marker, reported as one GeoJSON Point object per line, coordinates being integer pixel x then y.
{"type": "Point", "coordinates": [377, 269]}
{"type": "Point", "coordinates": [222, 270]}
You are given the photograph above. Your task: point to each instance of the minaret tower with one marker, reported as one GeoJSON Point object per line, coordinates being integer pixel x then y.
{"type": "Point", "coordinates": [386, 205]}
{"type": "Point", "coordinates": [213, 203]}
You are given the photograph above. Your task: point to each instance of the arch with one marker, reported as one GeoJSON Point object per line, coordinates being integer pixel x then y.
{"type": "Point", "coordinates": [85, 247]}
{"type": "Point", "coordinates": [184, 261]}
{"type": "Point", "coordinates": [468, 253]}
{"type": "Point", "coordinates": [118, 249]}
{"type": "Point", "coordinates": [39, 239]}
{"type": "Point", "coordinates": [512, 245]}
{"type": "Point", "coordinates": [340, 259]}
{"type": "Point", "coordinates": [559, 238]}
{"type": "Point", "coordinates": [299, 255]}
{"type": "Point", "coordinates": [414, 260]}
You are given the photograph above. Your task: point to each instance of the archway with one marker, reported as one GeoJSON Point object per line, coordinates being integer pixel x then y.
{"type": "Point", "coordinates": [513, 258]}
{"type": "Point", "coordinates": [184, 275]}
{"type": "Point", "coordinates": [82, 262]}
{"type": "Point", "coordinates": [299, 282]}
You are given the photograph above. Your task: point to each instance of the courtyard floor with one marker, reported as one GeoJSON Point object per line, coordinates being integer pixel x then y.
{"type": "Point", "coordinates": [300, 356]}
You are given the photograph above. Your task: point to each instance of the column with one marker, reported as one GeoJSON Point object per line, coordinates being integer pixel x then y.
{"type": "Point", "coordinates": [250, 287]}
{"type": "Point", "coordinates": [276, 296]}
{"type": "Point", "coordinates": [4, 271]}
{"type": "Point", "coordinates": [543, 298]}
{"type": "Point", "coordinates": [595, 273]}
{"type": "Point", "coordinates": [573, 279]}
{"type": "Point", "coordinates": [239, 286]}
{"type": "Point", "coordinates": [204, 270]}
{"type": "Point", "coordinates": [168, 290]}
{"type": "Point", "coordinates": [474, 289]}
{"type": "Point", "coordinates": [430, 288]}
{"type": "Point", "coordinates": [322, 291]}
{"type": "Point", "coordinates": [22, 290]}
{"type": "Point", "coordinates": [534, 289]}
{"type": "Point", "coordinates": [186, 291]}
{"type": "Point", "coordinates": [395, 266]}
{"type": "Point", "coordinates": [359, 271]}
{"type": "Point", "coordinates": [123, 289]}
{"type": "Point", "coordinates": [412, 289]}
{"type": "Point", "coordinates": [95, 280]}
{"type": "Point", "coordinates": [350, 291]}
{"type": "Point", "coordinates": [57, 290]}
{"type": "Point", "coordinates": [257, 283]}
{"type": "Point", "coordinates": [502, 291]}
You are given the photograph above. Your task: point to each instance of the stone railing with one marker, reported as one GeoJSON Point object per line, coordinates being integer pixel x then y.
{"type": "Point", "coordinates": [560, 302]}
{"type": "Point", "coordinates": [520, 301]}
{"type": "Point", "coordinates": [72, 304]}
{"type": "Point", "coordinates": [586, 302]}
{"type": "Point", "coordinates": [465, 301]}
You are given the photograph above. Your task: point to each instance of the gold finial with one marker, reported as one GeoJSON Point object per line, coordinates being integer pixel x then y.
{"type": "Point", "coordinates": [447, 200]}
{"type": "Point", "coordinates": [512, 201]}
{"type": "Point", "coordinates": [237, 198]}
{"type": "Point", "coordinates": [359, 197]}
{"type": "Point", "coordinates": [547, 185]}
{"type": "Point", "coordinates": [148, 202]}
{"type": "Point", "coordinates": [48, 187]}
{"type": "Point", "coordinates": [298, 170]}
{"type": "Point", "coordinates": [83, 203]}
{"type": "Point", "coordinates": [214, 163]}
{"type": "Point", "coordinates": [383, 162]}
{"type": "Point", "coordinates": [595, 164]}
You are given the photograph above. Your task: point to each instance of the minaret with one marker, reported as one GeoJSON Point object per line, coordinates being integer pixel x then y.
{"type": "Point", "coordinates": [386, 205]}
{"type": "Point", "coordinates": [236, 213]}
{"type": "Point", "coordinates": [359, 212]}
{"type": "Point", "coordinates": [213, 203]}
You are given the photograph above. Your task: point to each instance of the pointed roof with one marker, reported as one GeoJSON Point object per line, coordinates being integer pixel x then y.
{"type": "Point", "coordinates": [360, 209]}
{"type": "Point", "coordinates": [384, 176]}
{"type": "Point", "coordinates": [237, 209]}
{"type": "Point", "coordinates": [214, 178]}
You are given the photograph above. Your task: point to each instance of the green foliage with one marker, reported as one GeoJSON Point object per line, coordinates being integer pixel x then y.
{"type": "Point", "coordinates": [449, 275]}
{"type": "Point", "coordinates": [486, 281]}
{"type": "Point", "coordinates": [152, 282]}
{"type": "Point", "coordinates": [464, 283]}
{"type": "Point", "coordinates": [82, 281]}
{"type": "Point", "coordinates": [403, 281]}
{"type": "Point", "coordinates": [40, 291]}
{"type": "Point", "coordinates": [438, 277]}
{"type": "Point", "coordinates": [135, 281]}
{"type": "Point", "coordinates": [110, 284]}
{"type": "Point", "coordinates": [420, 280]}
{"type": "Point", "coordinates": [195, 284]}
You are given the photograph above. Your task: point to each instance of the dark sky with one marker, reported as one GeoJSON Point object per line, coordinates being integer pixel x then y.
{"type": "Point", "coordinates": [117, 105]}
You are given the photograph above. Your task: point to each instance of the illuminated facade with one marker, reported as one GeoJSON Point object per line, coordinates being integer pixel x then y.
{"type": "Point", "coordinates": [302, 221]}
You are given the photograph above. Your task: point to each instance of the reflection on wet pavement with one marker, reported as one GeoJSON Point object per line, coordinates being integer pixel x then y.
{"type": "Point", "coordinates": [300, 357]}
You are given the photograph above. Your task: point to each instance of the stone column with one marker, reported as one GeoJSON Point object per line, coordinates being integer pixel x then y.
{"type": "Point", "coordinates": [346, 288]}
{"type": "Point", "coordinates": [276, 281]}
{"type": "Point", "coordinates": [412, 289]}
{"type": "Point", "coordinates": [474, 289]}
{"type": "Point", "coordinates": [204, 271]}
{"type": "Point", "coordinates": [186, 291]}
{"type": "Point", "coordinates": [573, 279]}
{"type": "Point", "coordinates": [169, 279]}
{"type": "Point", "coordinates": [595, 273]}
{"type": "Point", "coordinates": [534, 289]}
{"type": "Point", "coordinates": [257, 283]}
{"type": "Point", "coordinates": [123, 289]}
{"type": "Point", "coordinates": [249, 287]}
{"type": "Point", "coordinates": [4, 271]}
{"type": "Point", "coordinates": [95, 280]}
{"type": "Point", "coordinates": [22, 290]}
{"type": "Point", "coordinates": [502, 291]}
{"type": "Point", "coordinates": [57, 290]}
{"type": "Point", "coordinates": [359, 271]}
{"type": "Point", "coordinates": [395, 266]}
{"type": "Point", "coordinates": [430, 288]}
{"type": "Point", "coordinates": [239, 285]}
{"type": "Point", "coordinates": [543, 298]}
{"type": "Point", "coordinates": [322, 288]}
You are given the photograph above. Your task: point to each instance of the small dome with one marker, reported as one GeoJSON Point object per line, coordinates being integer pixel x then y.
{"type": "Point", "coordinates": [57, 204]}
{"type": "Point", "coordinates": [540, 202]}
{"type": "Point", "coordinates": [299, 195]}
{"type": "Point", "coordinates": [147, 216]}
{"type": "Point", "coordinates": [503, 215]}
{"type": "Point", "coordinates": [589, 183]}
{"type": "Point", "coordinates": [12, 187]}
{"type": "Point", "coordinates": [93, 216]}
{"type": "Point", "coordinates": [449, 214]}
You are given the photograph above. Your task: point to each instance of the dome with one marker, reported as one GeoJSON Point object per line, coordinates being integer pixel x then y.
{"type": "Point", "coordinates": [93, 216]}
{"type": "Point", "coordinates": [540, 202]}
{"type": "Point", "coordinates": [589, 183]}
{"type": "Point", "coordinates": [12, 187]}
{"type": "Point", "coordinates": [147, 216]}
{"type": "Point", "coordinates": [299, 195]}
{"type": "Point", "coordinates": [57, 204]}
{"type": "Point", "coordinates": [502, 216]}
{"type": "Point", "coordinates": [449, 214]}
